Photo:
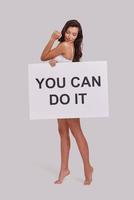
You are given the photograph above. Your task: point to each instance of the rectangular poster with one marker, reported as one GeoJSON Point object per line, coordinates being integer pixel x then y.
{"type": "Point", "coordinates": [68, 90]}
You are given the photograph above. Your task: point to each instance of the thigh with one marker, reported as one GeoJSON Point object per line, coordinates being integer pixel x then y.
{"type": "Point", "coordinates": [62, 124]}
{"type": "Point", "coordinates": [73, 123]}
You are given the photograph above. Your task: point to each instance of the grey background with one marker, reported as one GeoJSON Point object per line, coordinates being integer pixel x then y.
{"type": "Point", "coordinates": [29, 150]}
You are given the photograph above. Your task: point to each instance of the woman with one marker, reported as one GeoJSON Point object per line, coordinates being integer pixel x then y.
{"type": "Point", "coordinates": [69, 50]}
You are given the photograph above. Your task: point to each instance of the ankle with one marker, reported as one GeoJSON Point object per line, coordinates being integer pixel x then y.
{"type": "Point", "coordinates": [64, 169]}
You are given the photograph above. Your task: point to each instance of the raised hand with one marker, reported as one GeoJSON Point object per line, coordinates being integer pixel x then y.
{"type": "Point", "coordinates": [56, 35]}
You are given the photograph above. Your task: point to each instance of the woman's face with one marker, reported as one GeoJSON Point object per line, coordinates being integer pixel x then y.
{"type": "Point", "coordinates": [71, 34]}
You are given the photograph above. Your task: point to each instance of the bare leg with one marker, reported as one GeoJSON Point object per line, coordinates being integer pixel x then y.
{"type": "Point", "coordinates": [74, 125]}
{"type": "Point", "coordinates": [65, 147]}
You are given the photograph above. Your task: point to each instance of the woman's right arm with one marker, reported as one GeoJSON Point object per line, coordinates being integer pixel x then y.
{"type": "Point", "coordinates": [44, 56]}
{"type": "Point", "coordinates": [47, 49]}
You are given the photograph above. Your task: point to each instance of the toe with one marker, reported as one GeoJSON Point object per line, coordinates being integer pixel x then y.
{"type": "Point", "coordinates": [58, 182]}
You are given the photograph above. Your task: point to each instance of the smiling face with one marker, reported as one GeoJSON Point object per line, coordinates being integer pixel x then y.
{"type": "Point", "coordinates": [71, 34]}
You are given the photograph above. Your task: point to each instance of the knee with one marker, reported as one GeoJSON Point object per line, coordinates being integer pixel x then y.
{"type": "Point", "coordinates": [63, 131]}
{"type": "Point", "coordinates": [63, 127]}
{"type": "Point", "coordinates": [74, 126]}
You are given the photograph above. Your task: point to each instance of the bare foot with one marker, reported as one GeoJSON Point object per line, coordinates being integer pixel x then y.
{"type": "Point", "coordinates": [88, 179]}
{"type": "Point", "coordinates": [62, 175]}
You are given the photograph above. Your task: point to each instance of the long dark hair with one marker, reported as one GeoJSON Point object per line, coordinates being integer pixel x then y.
{"type": "Point", "coordinates": [78, 40]}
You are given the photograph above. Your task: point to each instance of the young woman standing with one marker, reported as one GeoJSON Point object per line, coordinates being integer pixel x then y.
{"type": "Point", "coordinates": [69, 50]}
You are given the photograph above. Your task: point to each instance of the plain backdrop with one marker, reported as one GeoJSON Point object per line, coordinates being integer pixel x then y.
{"type": "Point", "coordinates": [30, 150]}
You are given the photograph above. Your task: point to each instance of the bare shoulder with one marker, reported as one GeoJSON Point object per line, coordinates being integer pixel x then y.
{"type": "Point", "coordinates": [64, 45]}
{"type": "Point", "coordinates": [65, 48]}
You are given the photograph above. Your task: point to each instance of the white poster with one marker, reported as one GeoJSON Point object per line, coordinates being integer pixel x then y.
{"type": "Point", "coordinates": [68, 90]}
